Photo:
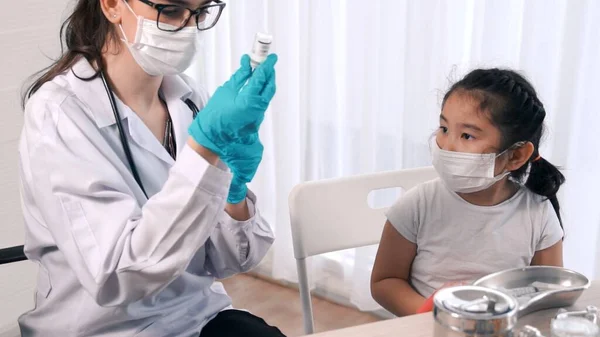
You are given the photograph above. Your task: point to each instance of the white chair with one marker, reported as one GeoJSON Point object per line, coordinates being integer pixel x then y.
{"type": "Point", "coordinates": [334, 214]}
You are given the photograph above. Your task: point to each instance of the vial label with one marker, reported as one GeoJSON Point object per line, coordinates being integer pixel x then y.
{"type": "Point", "coordinates": [260, 48]}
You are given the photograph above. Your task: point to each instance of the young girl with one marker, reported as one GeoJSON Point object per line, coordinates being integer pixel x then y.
{"type": "Point", "coordinates": [485, 213]}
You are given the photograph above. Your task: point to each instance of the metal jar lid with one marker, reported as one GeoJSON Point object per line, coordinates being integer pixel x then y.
{"type": "Point", "coordinates": [474, 310]}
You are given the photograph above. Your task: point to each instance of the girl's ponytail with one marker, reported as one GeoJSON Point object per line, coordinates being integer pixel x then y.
{"type": "Point", "coordinates": [545, 179]}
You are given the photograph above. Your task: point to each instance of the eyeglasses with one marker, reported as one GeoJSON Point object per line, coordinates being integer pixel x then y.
{"type": "Point", "coordinates": [173, 18]}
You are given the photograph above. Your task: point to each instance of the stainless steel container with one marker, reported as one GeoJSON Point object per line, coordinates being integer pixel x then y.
{"type": "Point", "coordinates": [472, 311]}
{"type": "Point", "coordinates": [553, 287]}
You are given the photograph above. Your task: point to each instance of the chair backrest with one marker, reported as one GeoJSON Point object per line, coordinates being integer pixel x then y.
{"type": "Point", "coordinates": [334, 214]}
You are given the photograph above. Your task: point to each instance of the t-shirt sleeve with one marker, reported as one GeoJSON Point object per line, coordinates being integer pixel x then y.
{"type": "Point", "coordinates": [551, 230]}
{"type": "Point", "coordinates": [403, 214]}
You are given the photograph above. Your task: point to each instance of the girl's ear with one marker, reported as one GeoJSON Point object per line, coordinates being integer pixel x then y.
{"type": "Point", "coordinates": [519, 156]}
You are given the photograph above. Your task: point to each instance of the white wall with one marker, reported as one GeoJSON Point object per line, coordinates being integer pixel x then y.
{"type": "Point", "coordinates": [28, 37]}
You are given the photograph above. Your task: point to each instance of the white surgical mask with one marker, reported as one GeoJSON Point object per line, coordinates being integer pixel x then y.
{"type": "Point", "coordinates": [159, 52]}
{"type": "Point", "coordinates": [465, 172]}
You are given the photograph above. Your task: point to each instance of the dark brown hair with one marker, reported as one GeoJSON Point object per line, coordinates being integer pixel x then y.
{"type": "Point", "coordinates": [85, 33]}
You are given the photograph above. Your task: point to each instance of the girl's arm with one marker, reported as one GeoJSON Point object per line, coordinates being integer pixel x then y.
{"type": "Point", "coordinates": [551, 256]}
{"type": "Point", "coordinates": [391, 272]}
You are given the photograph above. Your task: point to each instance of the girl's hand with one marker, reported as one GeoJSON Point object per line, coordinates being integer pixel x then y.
{"type": "Point", "coordinates": [428, 305]}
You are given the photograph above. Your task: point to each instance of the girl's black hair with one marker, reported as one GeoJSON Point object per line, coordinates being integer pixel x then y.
{"type": "Point", "coordinates": [514, 107]}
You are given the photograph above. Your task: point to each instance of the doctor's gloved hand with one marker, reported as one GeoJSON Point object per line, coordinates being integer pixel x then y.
{"type": "Point", "coordinates": [236, 109]}
{"type": "Point", "coordinates": [243, 159]}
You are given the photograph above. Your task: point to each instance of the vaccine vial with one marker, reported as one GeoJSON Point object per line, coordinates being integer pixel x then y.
{"type": "Point", "coordinates": [260, 49]}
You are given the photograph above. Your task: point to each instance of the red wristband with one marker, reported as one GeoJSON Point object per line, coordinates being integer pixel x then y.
{"type": "Point", "coordinates": [428, 305]}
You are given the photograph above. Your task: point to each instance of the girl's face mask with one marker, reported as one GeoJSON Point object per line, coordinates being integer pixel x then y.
{"type": "Point", "coordinates": [466, 172]}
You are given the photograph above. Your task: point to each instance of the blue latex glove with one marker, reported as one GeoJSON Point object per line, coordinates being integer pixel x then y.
{"type": "Point", "coordinates": [229, 123]}
{"type": "Point", "coordinates": [237, 108]}
{"type": "Point", "coordinates": [243, 163]}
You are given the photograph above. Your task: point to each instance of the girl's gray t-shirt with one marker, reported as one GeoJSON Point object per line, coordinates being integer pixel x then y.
{"type": "Point", "coordinates": [459, 241]}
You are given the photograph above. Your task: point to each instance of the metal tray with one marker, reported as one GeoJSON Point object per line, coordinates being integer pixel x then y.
{"type": "Point", "coordinates": [538, 287]}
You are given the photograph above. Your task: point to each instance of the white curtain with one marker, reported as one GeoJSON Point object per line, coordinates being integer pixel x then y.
{"type": "Point", "coordinates": [359, 87]}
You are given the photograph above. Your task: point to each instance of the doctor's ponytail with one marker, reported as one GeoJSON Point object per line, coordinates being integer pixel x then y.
{"type": "Point", "coordinates": [516, 110]}
{"type": "Point", "coordinates": [84, 33]}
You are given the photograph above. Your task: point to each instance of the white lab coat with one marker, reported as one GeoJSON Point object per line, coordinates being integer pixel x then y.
{"type": "Point", "coordinates": [112, 263]}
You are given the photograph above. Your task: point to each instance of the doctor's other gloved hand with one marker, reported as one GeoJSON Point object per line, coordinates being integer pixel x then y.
{"type": "Point", "coordinates": [243, 162]}
{"type": "Point", "coordinates": [236, 109]}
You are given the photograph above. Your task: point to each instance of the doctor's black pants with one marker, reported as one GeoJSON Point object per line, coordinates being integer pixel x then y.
{"type": "Point", "coordinates": [237, 323]}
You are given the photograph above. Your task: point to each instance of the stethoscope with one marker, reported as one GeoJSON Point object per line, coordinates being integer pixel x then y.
{"type": "Point", "coordinates": [124, 142]}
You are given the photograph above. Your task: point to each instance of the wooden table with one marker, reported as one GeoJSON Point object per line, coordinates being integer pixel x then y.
{"type": "Point", "coordinates": [422, 325]}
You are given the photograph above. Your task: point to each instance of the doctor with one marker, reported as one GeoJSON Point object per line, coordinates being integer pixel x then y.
{"type": "Point", "coordinates": [133, 206]}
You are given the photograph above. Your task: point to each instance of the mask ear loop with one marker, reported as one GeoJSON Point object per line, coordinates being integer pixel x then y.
{"type": "Point", "coordinates": [130, 9]}
{"type": "Point", "coordinates": [512, 147]}
{"type": "Point", "coordinates": [124, 38]}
